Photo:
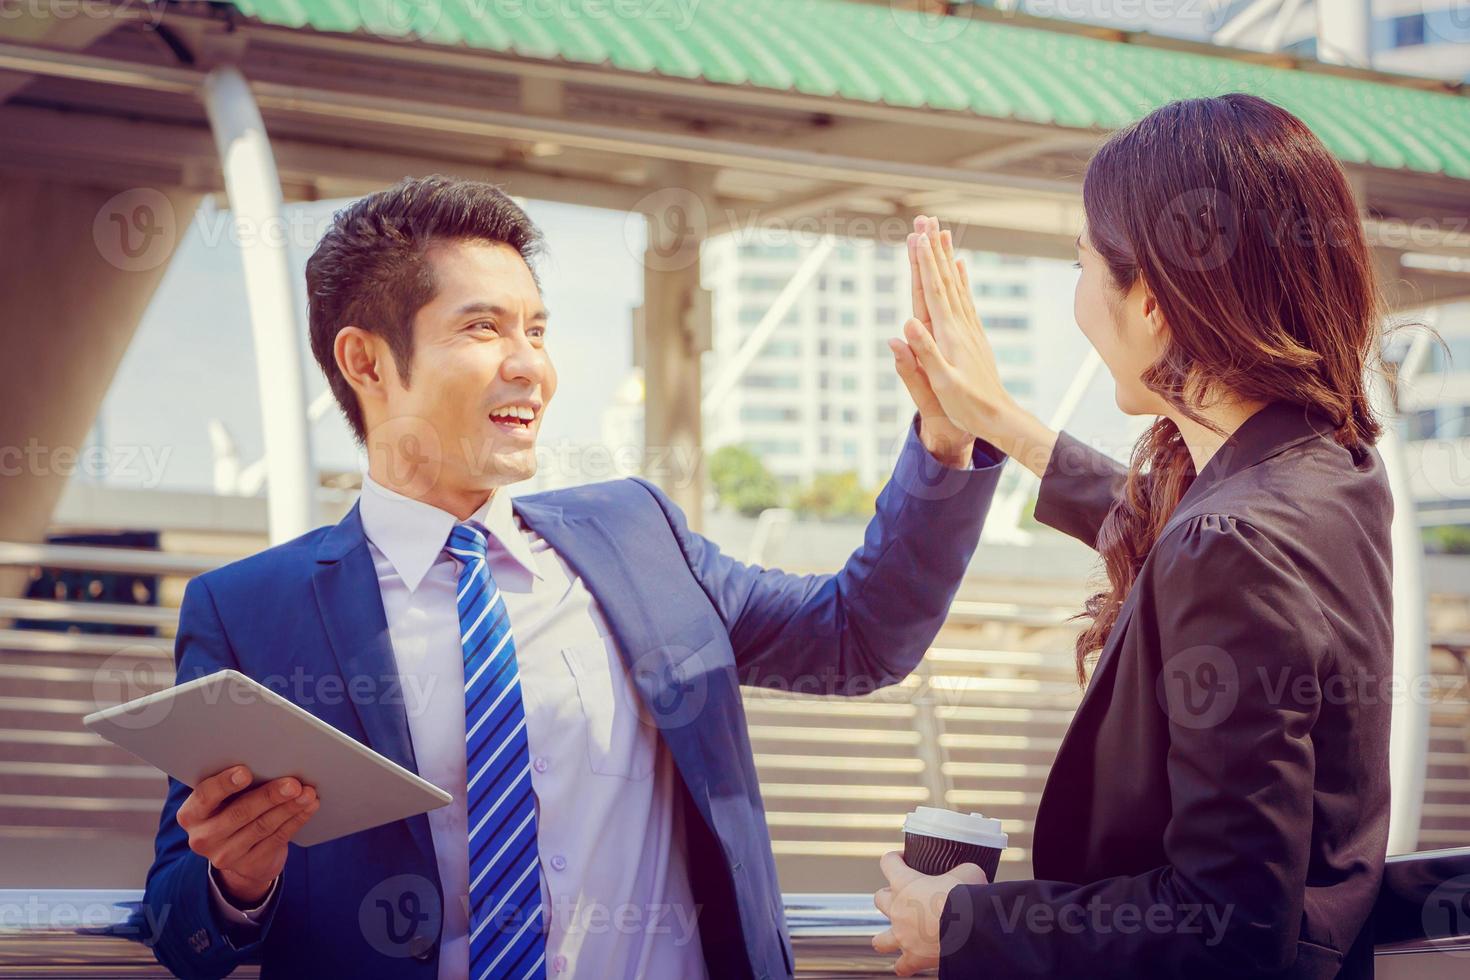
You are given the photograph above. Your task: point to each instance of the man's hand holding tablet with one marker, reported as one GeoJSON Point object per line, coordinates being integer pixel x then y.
{"type": "Point", "coordinates": [243, 833]}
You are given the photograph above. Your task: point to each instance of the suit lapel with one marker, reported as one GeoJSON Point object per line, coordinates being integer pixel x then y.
{"type": "Point", "coordinates": [351, 606]}
{"type": "Point", "coordinates": [585, 543]}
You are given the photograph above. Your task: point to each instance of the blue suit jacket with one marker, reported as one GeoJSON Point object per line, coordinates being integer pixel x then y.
{"type": "Point", "coordinates": [306, 618]}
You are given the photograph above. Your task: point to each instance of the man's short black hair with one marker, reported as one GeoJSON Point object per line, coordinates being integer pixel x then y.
{"type": "Point", "coordinates": [371, 268]}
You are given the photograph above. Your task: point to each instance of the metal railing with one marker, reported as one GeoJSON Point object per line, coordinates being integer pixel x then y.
{"type": "Point", "coordinates": [96, 933]}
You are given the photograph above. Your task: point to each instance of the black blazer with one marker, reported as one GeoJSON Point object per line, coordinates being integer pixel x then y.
{"type": "Point", "coordinates": [1219, 805]}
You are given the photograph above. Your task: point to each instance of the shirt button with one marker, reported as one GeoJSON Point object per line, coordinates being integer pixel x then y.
{"type": "Point", "coordinates": [559, 863]}
{"type": "Point", "coordinates": [559, 964]}
{"type": "Point", "coordinates": [540, 765]}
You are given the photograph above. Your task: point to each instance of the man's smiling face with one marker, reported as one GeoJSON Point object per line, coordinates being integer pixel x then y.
{"type": "Point", "coordinates": [480, 378]}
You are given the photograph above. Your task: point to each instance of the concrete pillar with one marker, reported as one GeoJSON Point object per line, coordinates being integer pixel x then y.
{"type": "Point", "coordinates": [83, 264]}
{"type": "Point", "coordinates": [676, 330]}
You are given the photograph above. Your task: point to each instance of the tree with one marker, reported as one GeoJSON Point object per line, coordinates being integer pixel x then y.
{"type": "Point", "coordinates": [742, 482]}
{"type": "Point", "coordinates": [835, 495]}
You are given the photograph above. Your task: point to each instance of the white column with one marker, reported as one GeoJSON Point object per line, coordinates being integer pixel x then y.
{"type": "Point", "coordinates": [1409, 736]}
{"type": "Point", "coordinates": [254, 191]}
{"type": "Point", "coordinates": [1344, 32]}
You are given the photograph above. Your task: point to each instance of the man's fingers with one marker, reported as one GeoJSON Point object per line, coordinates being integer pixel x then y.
{"type": "Point", "coordinates": [958, 288]}
{"type": "Point", "coordinates": [934, 291]}
{"type": "Point", "coordinates": [242, 809]}
{"type": "Point", "coordinates": [926, 351]}
{"type": "Point", "coordinates": [265, 826]}
{"type": "Point", "coordinates": [265, 858]}
{"type": "Point", "coordinates": [944, 259]}
{"type": "Point", "coordinates": [896, 871]}
{"type": "Point", "coordinates": [969, 297]}
{"type": "Point", "coordinates": [210, 793]}
{"type": "Point", "coordinates": [883, 900]}
{"type": "Point", "coordinates": [908, 964]}
{"type": "Point", "coordinates": [916, 286]}
{"type": "Point", "coordinates": [886, 942]}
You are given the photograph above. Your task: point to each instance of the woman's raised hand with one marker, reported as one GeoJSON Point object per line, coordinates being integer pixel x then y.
{"type": "Point", "coordinates": [946, 360]}
{"type": "Point", "coordinates": [946, 441]}
{"type": "Point", "coordinates": [946, 339]}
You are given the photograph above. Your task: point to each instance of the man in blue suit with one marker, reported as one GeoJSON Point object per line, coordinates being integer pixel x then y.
{"type": "Point", "coordinates": [568, 665]}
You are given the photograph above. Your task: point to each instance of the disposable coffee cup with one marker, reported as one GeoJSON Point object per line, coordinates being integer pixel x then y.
{"type": "Point", "coordinates": [936, 841]}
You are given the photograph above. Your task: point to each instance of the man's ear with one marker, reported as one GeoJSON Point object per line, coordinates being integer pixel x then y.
{"type": "Point", "coordinates": [360, 356]}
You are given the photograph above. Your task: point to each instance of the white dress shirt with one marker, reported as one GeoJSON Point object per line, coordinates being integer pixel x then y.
{"type": "Point", "coordinates": [614, 887]}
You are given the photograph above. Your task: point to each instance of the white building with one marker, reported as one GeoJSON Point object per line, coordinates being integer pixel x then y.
{"type": "Point", "coordinates": [1418, 37]}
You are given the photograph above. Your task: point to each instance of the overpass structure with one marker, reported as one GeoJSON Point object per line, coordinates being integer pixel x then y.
{"type": "Point", "coordinates": [804, 117]}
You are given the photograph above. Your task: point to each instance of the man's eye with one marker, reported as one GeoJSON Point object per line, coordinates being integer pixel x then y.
{"type": "Point", "coordinates": [537, 332]}
{"type": "Point", "coordinates": [482, 325]}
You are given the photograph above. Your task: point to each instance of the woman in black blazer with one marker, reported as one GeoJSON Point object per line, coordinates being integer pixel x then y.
{"type": "Point", "coordinates": [1219, 806]}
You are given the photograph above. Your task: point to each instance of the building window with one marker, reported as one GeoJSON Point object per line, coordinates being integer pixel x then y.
{"type": "Point", "coordinates": [768, 413]}
{"type": "Point", "coordinates": [847, 287]}
{"type": "Point", "coordinates": [1422, 425]}
{"type": "Point", "coordinates": [887, 414]}
{"type": "Point", "coordinates": [769, 381]}
{"type": "Point", "coordinates": [887, 315]}
{"type": "Point", "coordinates": [1408, 31]}
{"type": "Point", "coordinates": [1006, 322]}
{"type": "Point", "coordinates": [849, 415]}
{"type": "Point", "coordinates": [847, 351]}
{"type": "Point", "coordinates": [775, 447]}
{"type": "Point", "coordinates": [848, 318]}
{"type": "Point", "coordinates": [1013, 355]}
{"type": "Point", "coordinates": [886, 285]}
{"type": "Point", "coordinates": [848, 383]}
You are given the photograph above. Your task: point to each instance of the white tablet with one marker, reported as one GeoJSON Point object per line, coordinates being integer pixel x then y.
{"type": "Point", "coordinates": [199, 728]}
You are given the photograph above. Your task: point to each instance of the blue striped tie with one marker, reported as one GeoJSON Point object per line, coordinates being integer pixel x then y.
{"type": "Point", "coordinates": [506, 935]}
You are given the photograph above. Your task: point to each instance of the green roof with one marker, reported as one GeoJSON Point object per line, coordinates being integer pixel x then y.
{"type": "Point", "coordinates": [872, 53]}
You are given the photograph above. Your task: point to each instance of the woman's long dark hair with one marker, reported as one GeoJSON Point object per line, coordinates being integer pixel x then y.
{"type": "Point", "coordinates": [1245, 229]}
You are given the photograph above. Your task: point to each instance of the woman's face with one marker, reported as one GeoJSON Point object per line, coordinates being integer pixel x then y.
{"type": "Point", "coordinates": [1125, 328]}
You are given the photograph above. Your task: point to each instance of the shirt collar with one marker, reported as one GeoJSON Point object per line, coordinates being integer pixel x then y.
{"type": "Point", "coordinates": [411, 533]}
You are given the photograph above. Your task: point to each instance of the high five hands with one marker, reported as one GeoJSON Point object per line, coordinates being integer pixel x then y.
{"type": "Point", "coordinates": [947, 363]}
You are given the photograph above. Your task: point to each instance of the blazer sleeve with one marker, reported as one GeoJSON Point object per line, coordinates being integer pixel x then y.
{"type": "Point", "coordinates": [1241, 644]}
{"type": "Point", "coordinates": [1078, 489]}
{"type": "Point", "coordinates": [870, 624]}
{"type": "Point", "coordinates": [191, 939]}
